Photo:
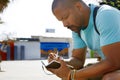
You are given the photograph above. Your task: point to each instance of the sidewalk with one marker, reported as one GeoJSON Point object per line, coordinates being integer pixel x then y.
{"type": "Point", "coordinates": [26, 70]}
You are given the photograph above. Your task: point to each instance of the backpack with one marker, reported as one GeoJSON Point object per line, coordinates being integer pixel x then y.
{"type": "Point", "coordinates": [94, 17]}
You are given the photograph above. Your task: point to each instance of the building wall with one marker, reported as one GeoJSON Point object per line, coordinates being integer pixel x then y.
{"type": "Point", "coordinates": [32, 49]}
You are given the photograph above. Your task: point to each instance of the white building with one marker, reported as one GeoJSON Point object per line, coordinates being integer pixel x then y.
{"type": "Point", "coordinates": [31, 48]}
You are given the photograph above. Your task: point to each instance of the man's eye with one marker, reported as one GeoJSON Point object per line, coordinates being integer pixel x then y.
{"type": "Point", "coordinates": [65, 17]}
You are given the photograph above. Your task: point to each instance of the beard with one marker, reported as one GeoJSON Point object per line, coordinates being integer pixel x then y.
{"type": "Point", "coordinates": [76, 28]}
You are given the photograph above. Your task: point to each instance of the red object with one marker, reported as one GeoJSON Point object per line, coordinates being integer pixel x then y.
{"type": "Point", "coordinates": [3, 55]}
{"type": "Point", "coordinates": [11, 43]}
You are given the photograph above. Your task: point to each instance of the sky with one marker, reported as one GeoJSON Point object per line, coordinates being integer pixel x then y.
{"type": "Point", "coordinates": [26, 18]}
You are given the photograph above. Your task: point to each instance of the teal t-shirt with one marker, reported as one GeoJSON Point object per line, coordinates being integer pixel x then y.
{"type": "Point", "coordinates": [108, 25]}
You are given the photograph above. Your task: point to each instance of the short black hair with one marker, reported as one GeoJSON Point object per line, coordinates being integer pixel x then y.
{"type": "Point", "coordinates": [66, 2]}
{"type": "Point", "coordinates": [3, 4]}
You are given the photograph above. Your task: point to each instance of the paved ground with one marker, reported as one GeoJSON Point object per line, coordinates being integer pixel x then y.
{"type": "Point", "coordinates": [26, 70]}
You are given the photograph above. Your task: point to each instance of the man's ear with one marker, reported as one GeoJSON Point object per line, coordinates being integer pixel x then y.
{"type": "Point", "coordinates": [78, 5]}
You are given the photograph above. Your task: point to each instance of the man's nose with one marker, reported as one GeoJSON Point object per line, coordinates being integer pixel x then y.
{"type": "Point", "coordinates": [66, 24]}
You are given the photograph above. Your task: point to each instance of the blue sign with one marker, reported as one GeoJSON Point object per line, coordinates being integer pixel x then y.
{"type": "Point", "coordinates": [53, 45]}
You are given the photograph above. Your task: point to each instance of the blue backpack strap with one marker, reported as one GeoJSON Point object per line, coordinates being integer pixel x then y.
{"type": "Point", "coordinates": [94, 18]}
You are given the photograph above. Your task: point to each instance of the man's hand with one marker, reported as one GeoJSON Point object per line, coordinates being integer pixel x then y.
{"type": "Point", "coordinates": [61, 72]}
{"type": "Point", "coordinates": [52, 56]}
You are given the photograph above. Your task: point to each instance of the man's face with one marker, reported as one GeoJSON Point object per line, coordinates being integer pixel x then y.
{"type": "Point", "coordinates": [70, 17]}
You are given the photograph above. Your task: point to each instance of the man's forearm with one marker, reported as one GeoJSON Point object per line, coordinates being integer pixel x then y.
{"type": "Point", "coordinates": [95, 70]}
{"type": "Point", "coordinates": [76, 63]}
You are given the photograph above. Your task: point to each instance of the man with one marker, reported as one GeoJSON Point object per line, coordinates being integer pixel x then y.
{"type": "Point", "coordinates": [3, 5]}
{"type": "Point", "coordinates": [78, 17]}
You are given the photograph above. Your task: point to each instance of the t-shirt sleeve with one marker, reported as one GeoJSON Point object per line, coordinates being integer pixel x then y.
{"type": "Point", "coordinates": [108, 25]}
{"type": "Point", "coordinates": [77, 41]}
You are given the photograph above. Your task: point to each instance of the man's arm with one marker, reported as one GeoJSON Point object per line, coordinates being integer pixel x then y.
{"type": "Point", "coordinates": [111, 63]}
{"type": "Point", "coordinates": [78, 58]}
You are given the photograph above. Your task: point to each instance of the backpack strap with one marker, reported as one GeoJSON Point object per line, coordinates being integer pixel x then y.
{"type": "Point", "coordinates": [94, 18]}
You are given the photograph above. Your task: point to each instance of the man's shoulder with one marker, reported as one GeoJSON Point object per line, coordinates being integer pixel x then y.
{"type": "Point", "coordinates": [105, 11]}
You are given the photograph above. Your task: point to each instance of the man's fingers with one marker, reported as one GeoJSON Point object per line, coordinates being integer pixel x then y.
{"type": "Point", "coordinates": [51, 57]}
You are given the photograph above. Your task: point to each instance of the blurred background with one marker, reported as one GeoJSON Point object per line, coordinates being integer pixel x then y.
{"type": "Point", "coordinates": [28, 33]}
{"type": "Point", "coordinates": [23, 18]}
